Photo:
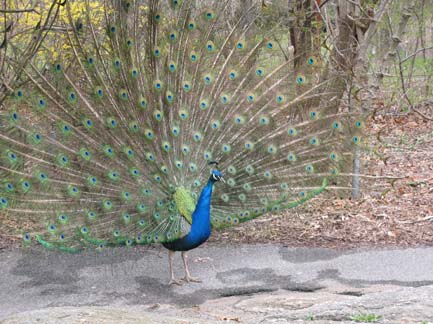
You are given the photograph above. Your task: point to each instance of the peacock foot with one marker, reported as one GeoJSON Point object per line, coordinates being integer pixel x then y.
{"type": "Point", "coordinates": [175, 282]}
{"type": "Point", "coordinates": [191, 279]}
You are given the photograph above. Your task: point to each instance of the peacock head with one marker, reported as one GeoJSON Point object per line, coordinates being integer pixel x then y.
{"type": "Point", "coordinates": [216, 175]}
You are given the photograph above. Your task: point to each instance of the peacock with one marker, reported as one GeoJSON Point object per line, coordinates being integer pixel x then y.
{"type": "Point", "coordinates": [146, 121]}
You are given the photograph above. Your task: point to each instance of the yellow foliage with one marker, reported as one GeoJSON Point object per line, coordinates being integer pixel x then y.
{"type": "Point", "coordinates": [68, 15]}
{"type": "Point", "coordinates": [41, 9]}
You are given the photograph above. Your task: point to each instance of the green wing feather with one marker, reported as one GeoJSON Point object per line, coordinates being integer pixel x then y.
{"type": "Point", "coordinates": [110, 142]}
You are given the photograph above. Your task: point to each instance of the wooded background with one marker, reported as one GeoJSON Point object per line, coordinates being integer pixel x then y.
{"type": "Point", "coordinates": [378, 46]}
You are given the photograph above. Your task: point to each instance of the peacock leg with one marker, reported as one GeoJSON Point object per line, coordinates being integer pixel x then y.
{"type": "Point", "coordinates": [173, 280]}
{"type": "Point", "coordinates": [188, 277]}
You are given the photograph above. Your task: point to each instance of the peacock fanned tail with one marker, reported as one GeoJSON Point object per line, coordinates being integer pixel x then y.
{"type": "Point", "coordinates": [107, 142]}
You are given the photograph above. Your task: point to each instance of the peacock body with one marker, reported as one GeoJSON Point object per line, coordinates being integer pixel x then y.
{"type": "Point", "coordinates": [109, 137]}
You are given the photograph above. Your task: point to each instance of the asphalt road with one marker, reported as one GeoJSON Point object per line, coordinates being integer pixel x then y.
{"type": "Point", "coordinates": [37, 279]}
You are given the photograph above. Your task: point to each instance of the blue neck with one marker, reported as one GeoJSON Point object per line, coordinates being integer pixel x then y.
{"type": "Point", "coordinates": [201, 215]}
{"type": "Point", "coordinates": [200, 227]}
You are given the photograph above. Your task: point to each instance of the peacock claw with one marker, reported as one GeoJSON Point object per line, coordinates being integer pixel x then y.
{"type": "Point", "coordinates": [191, 279]}
{"type": "Point", "coordinates": [175, 282]}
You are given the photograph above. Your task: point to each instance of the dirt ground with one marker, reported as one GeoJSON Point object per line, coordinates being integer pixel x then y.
{"type": "Point", "coordinates": [393, 211]}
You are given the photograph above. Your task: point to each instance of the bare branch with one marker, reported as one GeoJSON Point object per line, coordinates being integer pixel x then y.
{"type": "Point", "coordinates": [416, 53]}
{"type": "Point", "coordinates": [31, 9]}
{"type": "Point", "coordinates": [403, 81]}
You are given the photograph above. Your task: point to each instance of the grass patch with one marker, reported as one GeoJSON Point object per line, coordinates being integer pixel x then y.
{"type": "Point", "coordinates": [310, 317]}
{"type": "Point", "coordinates": [366, 318]}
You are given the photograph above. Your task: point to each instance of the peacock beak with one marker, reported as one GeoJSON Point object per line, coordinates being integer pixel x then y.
{"type": "Point", "coordinates": [222, 179]}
